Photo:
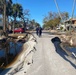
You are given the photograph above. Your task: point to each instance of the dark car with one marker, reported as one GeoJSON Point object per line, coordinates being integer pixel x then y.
{"type": "Point", "coordinates": [19, 30]}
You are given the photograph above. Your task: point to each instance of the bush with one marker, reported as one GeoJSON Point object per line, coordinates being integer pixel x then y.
{"type": "Point", "coordinates": [61, 28]}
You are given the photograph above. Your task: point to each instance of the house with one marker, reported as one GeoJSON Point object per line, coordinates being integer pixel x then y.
{"type": "Point", "coordinates": [71, 21]}
{"type": "Point", "coordinates": [70, 24]}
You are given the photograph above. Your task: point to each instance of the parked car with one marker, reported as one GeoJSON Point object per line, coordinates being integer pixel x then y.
{"type": "Point", "coordinates": [19, 30]}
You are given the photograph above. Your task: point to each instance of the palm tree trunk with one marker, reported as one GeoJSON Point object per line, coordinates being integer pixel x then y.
{"type": "Point", "coordinates": [4, 18]}
{"type": "Point", "coordinates": [14, 24]}
{"type": "Point", "coordinates": [7, 22]}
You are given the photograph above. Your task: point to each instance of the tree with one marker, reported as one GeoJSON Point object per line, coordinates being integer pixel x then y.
{"type": "Point", "coordinates": [53, 19]}
{"type": "Point", "coordinates": [25, 18]}
{"type": "Point", "coordinates": [64, 15]}
{"type": "Point", "coordinates": [34, 24]}
{"type": "Point", "coordinates": [1, 6]}
{"type": "Point", "coordinates": [17, 12]}
{"type": "Point", "coordinates": [8, 10]}
{"type": "Point", "coordinates": [4, 11]}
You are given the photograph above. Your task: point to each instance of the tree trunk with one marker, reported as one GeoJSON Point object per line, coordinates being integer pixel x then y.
{"type": "Point", "coordinates": [14, 24]}
{"type": "Point", "coordinates": [4, 18]}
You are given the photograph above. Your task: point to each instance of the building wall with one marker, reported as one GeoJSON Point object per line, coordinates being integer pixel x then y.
{"type": "Point", "coordinates": [75, 22]}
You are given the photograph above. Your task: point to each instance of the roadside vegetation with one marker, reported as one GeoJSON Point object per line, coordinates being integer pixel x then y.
{"type": "Point", "coordinates": [14, 15]}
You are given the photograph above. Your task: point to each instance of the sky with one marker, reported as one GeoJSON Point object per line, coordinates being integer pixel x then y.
{"type": "Point", "coordinates": [38, 9]}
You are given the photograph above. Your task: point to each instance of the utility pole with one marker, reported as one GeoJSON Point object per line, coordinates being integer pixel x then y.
{"type": "Point", "coordinates": [73, 8]}
{"type": "Point", "coordinates": [58, 9]}
{"type": "Point", "coordinates": [59, 13]}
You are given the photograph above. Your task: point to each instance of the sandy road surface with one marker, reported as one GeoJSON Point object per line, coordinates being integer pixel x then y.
{"type": "Point", "coordinates": [46, 61]}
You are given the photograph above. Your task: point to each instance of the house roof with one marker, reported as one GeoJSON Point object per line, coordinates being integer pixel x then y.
{"type": "Point", "coordinates": [71, 19]}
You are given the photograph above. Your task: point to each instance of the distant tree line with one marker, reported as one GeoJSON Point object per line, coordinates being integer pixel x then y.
{"type": "Point", "coordinates": [53, 19]}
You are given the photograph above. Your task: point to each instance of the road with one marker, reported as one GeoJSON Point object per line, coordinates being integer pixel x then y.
{"type": "Point", "coordinates": [46, 61]}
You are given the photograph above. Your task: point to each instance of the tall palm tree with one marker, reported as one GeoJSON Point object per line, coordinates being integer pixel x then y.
{"type": "Point", "coordinates": [1, 6]}
{"type": "Point", "coordinates": [4, 4]}
{"type": "Point", "coordinates": [8, 10]}
{"type": "Point", "coordinates": [2, 9]}
{"type": "Point", "coordinates": [17, 12]}
{"type": "Point", "coordinates": [5, 8]}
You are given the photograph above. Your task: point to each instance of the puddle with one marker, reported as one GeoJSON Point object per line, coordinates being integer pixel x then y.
{"type": "Point", "coordinates": [13, 54]}
{"type": "Point", "coordinates": [71, 49]}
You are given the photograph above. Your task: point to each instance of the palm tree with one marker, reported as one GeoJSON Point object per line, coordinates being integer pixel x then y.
{"type": "Point", "coordinates": [5, 10]}
{"type": "Point", "coordinates": [8, 10]}
{"type": "Point", "coordinates": [1, 6]}
{"type": "Point", "coordinates": [4, 4]}
{"type": "Point", "coordinates": [2, 9]}
{"type": "Point", "coordinates": [17, 12]}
